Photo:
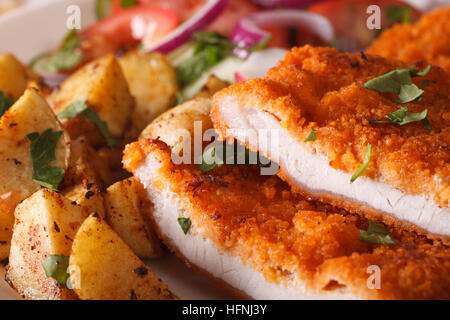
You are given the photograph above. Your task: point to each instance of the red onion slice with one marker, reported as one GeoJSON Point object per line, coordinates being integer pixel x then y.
{"type": "Point", "coordinates": [249, 30]}
{"type": "Point", "coordinates": [202, 18]}
{"type": "Point", "coordinates": [285, 3]}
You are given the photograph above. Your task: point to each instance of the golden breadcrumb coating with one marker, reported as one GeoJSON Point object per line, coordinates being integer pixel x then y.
{"type": "Point", "coordinates": [427, 40]}
{"type": "Point", "coordinates": [282, 234]}
{"type": "Point", "coordinates": [322, 88]}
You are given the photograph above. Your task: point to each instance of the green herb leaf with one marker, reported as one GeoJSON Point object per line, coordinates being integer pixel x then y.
{"type": "Point", "coordinates": [66, 58]}
{"type": "Point", "coordinates": [377, 234]}
{"type": "Point", "coordinates": [55, 266]}
{"type": "Point", "coordinates": [364, 165]}
{"type": "Point", "coordinates": [42, 152]}
{"type": "Point", "coordinates": [400, 117]}
{"type": "Point", "coordinates": [399, 81]}
{"type": "Point", "coordinates": [311, 136]}
{"type": "Point", "coordinates": [408, 93]}
{"type": "Point", "coordinates": [5, 103]}
{"type": "Point", "coordinates": [127, 3]}
{"type": "Point", "coordinates": [376, 227]}
{"type": "Point", "coordinates": [179, 98]}
{"type": "Point", "coordinates": [185, 224]}
{"type": "Point", "coordinates": [376, 238]}
{"type": "Point", "coordinates": [420, 73]}
{"type": "Point", "coordinates": [400, 14]}
{"type": "Point", "coordinates": [103, 8]}
{"type": "Point", "coordinates": [80, 107]}
{"type": "Point", "coordinates": [210, 49]}
{"type": "Point", "coordinates": [219, 155]}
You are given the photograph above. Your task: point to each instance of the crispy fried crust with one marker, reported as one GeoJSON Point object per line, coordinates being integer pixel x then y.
{"type": "Point", "coordinates": [322, 88]}
{"type": "Point", "coordinates": [282, 234]}
{"type": "Point", "coordinates": [427, 40]}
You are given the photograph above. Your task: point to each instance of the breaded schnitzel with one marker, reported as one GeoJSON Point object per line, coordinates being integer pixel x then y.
{"type": "Point", "coordinates": [406, 180]}
{"type": "Point", "coordinates": [427, 40]}
{"type": "Point", "coordinates": [255, 234]}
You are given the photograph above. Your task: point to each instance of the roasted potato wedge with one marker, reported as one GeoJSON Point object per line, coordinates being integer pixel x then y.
{"type": "Point", "coordinates": [212, 86]}
{"type": "Point", "coordinates": [176, 126]}
{"type": "Point", "coordinates": [86, 166]}
{"type": "Point", "coordinates": [102, 84]}
{"type": "Point", "coordinates": [45, 225]}
{"type": "Point", "coordinates": [123, 213]}
{"type": "Point", "coordinates": [30, 113]}
{"type": "Point", "coordinates": [89, 196]}
{"type": "Point", "coordinates": [116, 273]}
{"type": "Point", "coordinates": [13, 76]}
{"type": "Point", "coordinates": [152, 83]}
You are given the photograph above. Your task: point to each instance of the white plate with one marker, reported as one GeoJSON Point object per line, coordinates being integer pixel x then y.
{"type": "Point", "coordinates": [37, 28]}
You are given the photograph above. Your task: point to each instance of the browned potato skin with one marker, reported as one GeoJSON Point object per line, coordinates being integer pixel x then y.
{"type": "Point", "coordinates": [13, 76]}
{"type": "Point", "coordinates": [213, 85]}
{"type": "Point", "coordinates": [8, 203]}
{"type": "Point", "coordinates": [175, 125]}
{"type": "Point", "coordinates": [152, 82]}
{"type": "Point", "coordinates": [116, 273]}
{"type": "Point", "coordinates": [45, 224]}
{"type": "Point", "coordinates": [105, 89]}
{"type": "Point", "coordinates": [86, 166]}
{"type": "Point", "coordinates": [16, 167]}
{"type": "Point", "coordinates": [123, 213]}
{"type": "Point", "coordinates": [89, 196]}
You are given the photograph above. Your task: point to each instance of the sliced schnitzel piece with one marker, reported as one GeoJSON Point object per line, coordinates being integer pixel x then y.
{"type": "Point", "coordinates": [253, 233]}
{"type": "Point", "coordinates": [427, 40]}
{"type": "Point", "coordinates": [322, 121]}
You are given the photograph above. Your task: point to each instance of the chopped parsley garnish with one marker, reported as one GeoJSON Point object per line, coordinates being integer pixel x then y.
{"type": "Point", "coordinates": [127, 3]}
{"type": "Point", "coordinates": [80, 107]}
{"type": "Point", "coordinates": [364, 165]}
{"type": "Point", "coordinates": [400, 117]}
{"type": "Point", "coordinates": [67, 57]}
{"type": "Point", "coordinates": [185, 224]}
{"type": "Point", "coordinates": [311, 136]}
{"type": "Point", "coordinates": [42, 152]}
{"type": "Point", "coordinates": [376, 233]}
{"type": "Point", "coordinates": [401, 14]}
{"type": "Point", "coordinates": [219, 155]}
{"type": "Point", "coordinates": [5, 103]}
{"type": "Point", "coordinates": [210, 49]}
{"type": "Point", "coordinates": [103, 8]}
{"type": "Point", "coordinates": [55, 266]}
{"type": "Point", "coordinates": [399, 82]}
{"type": "Point", "coordinates": [211, 158]}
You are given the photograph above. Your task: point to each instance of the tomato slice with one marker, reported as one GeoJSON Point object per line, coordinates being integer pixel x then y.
{"type": "Point", "coordinates": [127, 28]}
{"type": "Point", "coordinates": [183, 8]}
{"type": "Point", "coordinates": [349, 19]}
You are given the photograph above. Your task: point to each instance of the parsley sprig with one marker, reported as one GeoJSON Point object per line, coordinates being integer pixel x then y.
{"type": "Point", "coordinates": [67, 57]}
{"type": "Point", "coordinates": [311, 136]}
{"type": "Point", "coordinates": [227, 154]}
{"type": "Point", "coordinates": [185, 224]}
{"type": "Point", "coordinates": [80, 107]}
{"type": "Point", "coordinates": [210, 49]}
{"type": "Point", "coordinates": [401, 117]}
{"type": "Point", "coordinates": [399, 82]}
{"type": "Point", "coordinates": [364, 164]}
{"type": "Point", "coordinates": [55, 266]}
{"type": "Point", "coordinates": [376, 233]}
{"type": "Point", "coordinates": [5, 103]}
{"type": "Point", "coordinates": [42, 152]}
{"type": "Point", "coordinates": [401, 14]}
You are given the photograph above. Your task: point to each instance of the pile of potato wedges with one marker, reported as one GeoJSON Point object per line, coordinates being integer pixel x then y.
{"type": "Point", "coordinates": [49, 235]}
